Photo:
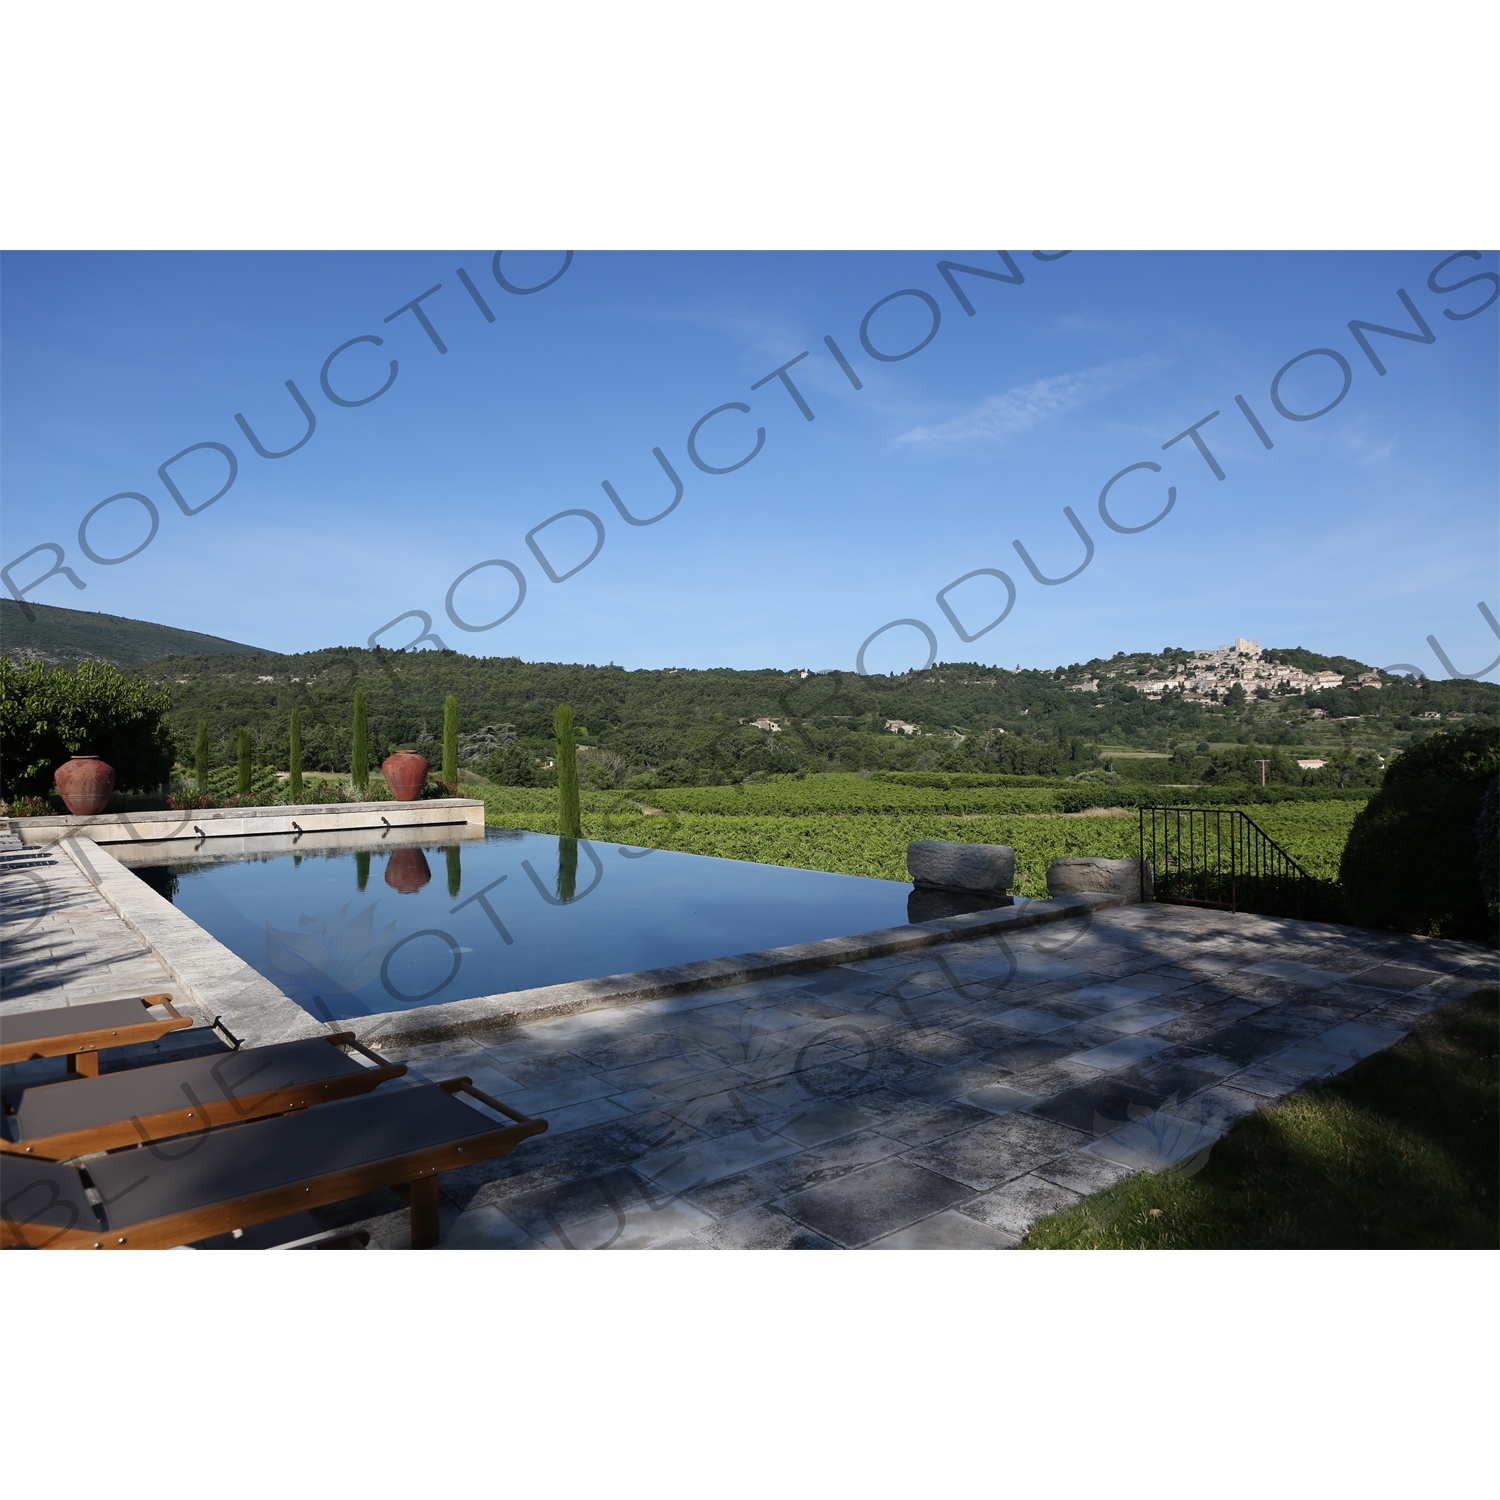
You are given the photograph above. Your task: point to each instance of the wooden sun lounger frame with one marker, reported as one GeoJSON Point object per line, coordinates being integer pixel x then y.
{"type": "Point", "coordinates": [82, 1048]}
{"type": "Point", "coordinates": [148, 1130]}
{"type": "Point", "coordinates": [415, 1171]}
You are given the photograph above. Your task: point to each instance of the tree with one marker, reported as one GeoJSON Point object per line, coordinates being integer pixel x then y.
{"type": "Point", "coordinates": [243, 777]}
{"type": "Point", "coordinates": [1410, 863]}
{"type": "Point", "coordinates": [294, 756]}
{"type": "Point", "coordinates": [450, 740]}
{"type": "Point", "coordinates": [201, 757]}
{"type": "Point", "coordinates": [48, 715]}
{"type": "Point", "coordinates": [569, 818]}
{"type": "Point", "coordinates": [359, 760]}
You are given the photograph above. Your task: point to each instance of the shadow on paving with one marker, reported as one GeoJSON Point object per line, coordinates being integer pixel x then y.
{"type": "Point", "coordinates": [1399, 1152]}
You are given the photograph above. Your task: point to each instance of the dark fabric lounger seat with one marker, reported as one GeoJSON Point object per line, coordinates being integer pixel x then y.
{"type": "Point", "coordinates": [156, 1197]}
{"type": "Point", "coordinates": [78, 1032]}
{"type": "Point", "coordinates": [151, 1104]}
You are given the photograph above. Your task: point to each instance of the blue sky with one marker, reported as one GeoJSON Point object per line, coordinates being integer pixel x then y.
{"type": "Point", "coordinates": [1362, 531]}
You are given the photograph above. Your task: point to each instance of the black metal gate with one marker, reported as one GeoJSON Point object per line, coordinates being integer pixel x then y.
{"type": "Point", "coordinates": [1219, 857]}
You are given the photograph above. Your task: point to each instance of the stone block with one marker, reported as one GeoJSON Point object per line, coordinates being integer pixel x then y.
{"type": "Point", "coordinates": [1114, 877]}
{"type": "Point", "coordinates": [961, 867]}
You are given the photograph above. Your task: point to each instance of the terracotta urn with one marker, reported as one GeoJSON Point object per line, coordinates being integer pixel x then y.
{"type": "Point", "coordinates": [407, 871]}
{"type": "Point", "coordinates": [85, 783]}
{"type": "Point", "coordinates": [405, 774]}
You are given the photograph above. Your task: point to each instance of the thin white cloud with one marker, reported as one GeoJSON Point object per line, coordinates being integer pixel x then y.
{"type": "Point", "coordinates": [1023, 407]}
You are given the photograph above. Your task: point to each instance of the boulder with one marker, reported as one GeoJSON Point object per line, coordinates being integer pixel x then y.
{"type": "Point", "coordinates": [1113, 877]}
{"type": "Point", "coordinates": [961, 867]}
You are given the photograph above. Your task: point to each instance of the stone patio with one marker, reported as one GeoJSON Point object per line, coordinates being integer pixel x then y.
{"type": "Point", "coordinates": [941, 1100]}
{"type": "Point", "coordinates": [937, 1098]}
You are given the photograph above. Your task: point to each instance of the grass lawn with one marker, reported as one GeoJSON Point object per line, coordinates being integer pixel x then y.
{"type": "Point", "coordinates": [1400, 1152]}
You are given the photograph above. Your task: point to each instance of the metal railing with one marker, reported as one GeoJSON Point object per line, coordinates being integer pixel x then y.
{"type": "Point", "coordinates": [1218, 857]}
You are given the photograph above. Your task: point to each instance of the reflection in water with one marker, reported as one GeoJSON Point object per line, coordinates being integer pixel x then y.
{"type": "Point", "coordinates": [567, 868]}
{"type": "Point", "coordinates": [455, 870]}
{"type": "Point", "coordinates": [329, 959]}
{"type": "Point", "coordinates": [361, 868]}
{"type": "Point", "coordinates": [925, 904]}
{"type": "Point", "coordinates": [407, 871]}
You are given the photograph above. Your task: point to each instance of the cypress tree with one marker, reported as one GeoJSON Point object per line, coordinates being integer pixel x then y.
{"type": "Point", "coordinates": [455, 870]}
{"type": "Point", "coordinates": [361, 868]}
{"type": "Point", "coordinates": [200, 757]}
{"type": "Point", "coordinates": [450, 741]}
{"type": "Point", "coordinates": [242, 782]}
{"type": "Point", "coordinates": [569, 819]}
{"type": "Point", "coordinates": [359, 764]}
{"type": "Point", "coordinates": [294, 757]}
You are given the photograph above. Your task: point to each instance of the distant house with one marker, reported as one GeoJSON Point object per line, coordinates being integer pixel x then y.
{"type": "Point", "coordinates": [1312, 765]}
{"type": "Point", "coordinates": [1369, 679]}
{"type": "Point", "coordinates": [900, 726]}
{"type": "Point", "coordinates": [769, 725]}
{"type": "Point", "coordinates": [1431, 713]}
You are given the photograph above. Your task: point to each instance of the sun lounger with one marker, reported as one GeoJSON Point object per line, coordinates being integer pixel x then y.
{"type": "Point", "coordinates": [152, 1104]}
{"type": "Point", "coordinates": [156, 1197]}
{"type": "Point", "coordinates": [80, 1032]}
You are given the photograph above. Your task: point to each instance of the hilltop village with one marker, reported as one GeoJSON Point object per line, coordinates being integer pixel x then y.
{"type": "Point", "coordinates": [1208, 676]}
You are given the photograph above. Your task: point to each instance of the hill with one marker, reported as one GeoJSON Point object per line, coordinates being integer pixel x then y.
{"type": "Point", "coordinates": [64, 637]}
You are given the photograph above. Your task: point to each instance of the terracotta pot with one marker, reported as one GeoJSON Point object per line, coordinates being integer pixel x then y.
{"type": "Point", "coordinates": [407, 871]}
{"type": "Point", "coordinates": [85, 783]}
{"type": "Point", "coordinates": [405, 774]}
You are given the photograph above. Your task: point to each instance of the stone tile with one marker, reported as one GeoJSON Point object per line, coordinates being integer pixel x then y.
{"type": "Point", "coordinates": [1132, 1020]}
{"type": "Point", "coordinates": [1003, 1148]}
{"type": "Point", "coordinates": [486, 1229]}
{"type": "Point", "coordinates": [1266, 1082]}
{"type": "Point", "coordinates": [1395, 977]}
{"type": "Point", "coordinates": [1156, 1143]}
{"type": "Point", "coordinates": [1101, 1105]}
{"type": "Point", "coordinates": [576, 1116]}
{"type": "Point", "coordinates": [1306, 1061]}
{"type": "Point", "coordinates": [1120, 1053]}
{"type": "Point", "coordinates": [823, 1164]}
{"type": "Point", "coordinates": [1054, 1078]}
{"type": "Point", "coordinates": [940, 1085]}
{"type": "Point", "coordinates": [1358, 1041]}
{"type": "Point", "coordinates": [1015, 1206]}
{"type": "Point", "coordinates": [1082, 1173]}
{"type": "Point", "coordinates": [758, 1228]}
{"type": "Point", "coordinates": [871, 1202]}
{"type": "Point", "coordinates": [634, 1228]}
{"type": "Point", "coordinates": [998, 1099]}
{"type": "Point", "coordinates": [679, 1169]}
{"type": "Point", "coordinates": [949, 1230]}
{"type": "Point", "coordinates": [573, 1088]}
{"type": "Point", "coordinates": [1297, 973]}
{"type": "Point", "coordinates": [1032, 1022]}
{"type": "Point", "coordinates": [913, 1121]}
{"type": "Point", "coordinates": [824, 1122]}
{"type": "Point", "coordinates": [1249, 1041]}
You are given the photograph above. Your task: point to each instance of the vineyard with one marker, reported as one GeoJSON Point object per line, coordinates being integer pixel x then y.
{"type": "Point", "coordinates": [853, 826]}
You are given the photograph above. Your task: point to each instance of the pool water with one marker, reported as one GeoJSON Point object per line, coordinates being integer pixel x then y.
{"type": "Point", "coordinates": [347, 932]}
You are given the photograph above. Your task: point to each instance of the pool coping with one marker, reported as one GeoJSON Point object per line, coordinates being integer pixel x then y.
{"type": "Point", "coordinates": [217, 982]}
{"type": "Point", "coordinates": [247, 822]}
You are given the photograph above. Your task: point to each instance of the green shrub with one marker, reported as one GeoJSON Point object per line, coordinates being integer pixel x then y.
{"type": "Point", "coordinates": [1410, 864]}
{"type": "Point", "coordinates": [48, 715]}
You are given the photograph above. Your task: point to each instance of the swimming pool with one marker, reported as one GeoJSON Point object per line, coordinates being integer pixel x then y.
{"type": "Point", "coordinates": [352, 931]}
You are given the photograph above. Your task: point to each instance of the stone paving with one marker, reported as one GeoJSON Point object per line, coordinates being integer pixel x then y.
{"type": "Point", "coordinates": [61, 943]}
{"type": "Point", "coordinates": [936, 1100]}
{"type": "Point", "coordinates": [941, 1098]}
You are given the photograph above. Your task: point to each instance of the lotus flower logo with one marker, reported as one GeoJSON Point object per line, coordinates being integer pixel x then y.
{"type": "Point", "coordinates": [327, 959]}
